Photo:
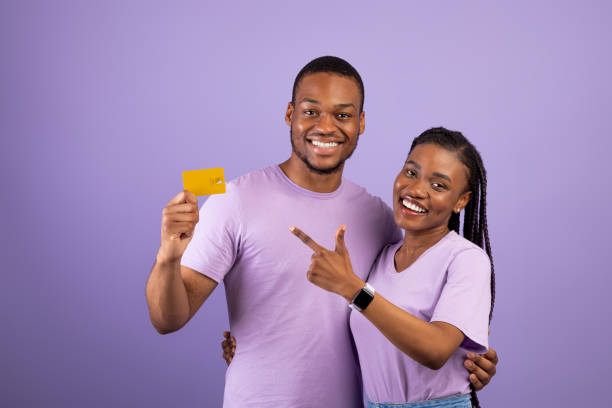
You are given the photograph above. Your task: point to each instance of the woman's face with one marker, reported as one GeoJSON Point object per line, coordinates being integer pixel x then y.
{"type": "Point", "coordinates": [430, 187]}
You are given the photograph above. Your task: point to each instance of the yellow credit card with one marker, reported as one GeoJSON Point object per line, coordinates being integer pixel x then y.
{"type": "Point", "coordinates": [204, 182]}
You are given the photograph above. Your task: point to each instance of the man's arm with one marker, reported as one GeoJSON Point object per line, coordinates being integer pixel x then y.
{"type": "Point", "coordinates": [481, 367]}
{"type": "Point", "coordinates": [174, 295]}
{"type": "Point", "coordinates": [174, 292]}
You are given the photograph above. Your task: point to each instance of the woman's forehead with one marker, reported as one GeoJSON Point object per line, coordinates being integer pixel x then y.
{"type": "Point", "coordinates": [433, 157]}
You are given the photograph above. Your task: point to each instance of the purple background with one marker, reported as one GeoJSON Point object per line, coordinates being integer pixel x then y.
{"type": "Point", "coordinates": [103, 105]}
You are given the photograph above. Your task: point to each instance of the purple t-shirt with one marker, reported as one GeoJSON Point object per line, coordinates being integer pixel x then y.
{"type": "Point", "coordinates": [449, 282]}
{"type": "Point", "coordinates": [294, 347]}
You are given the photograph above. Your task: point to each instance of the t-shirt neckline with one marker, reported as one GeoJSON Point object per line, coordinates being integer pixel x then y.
{"type": "Point", "coordinates": [390, 267]}
{"type": "Point", "coordinates": [324, 196]}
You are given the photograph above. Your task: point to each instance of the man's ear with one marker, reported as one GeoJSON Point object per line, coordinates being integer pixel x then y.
{"type": "Point", "coordinates": [361, 122]}
{"type": "Point", "coordinates": [289, 113]}
{"type": "Point", "coordinates": [462, 201]}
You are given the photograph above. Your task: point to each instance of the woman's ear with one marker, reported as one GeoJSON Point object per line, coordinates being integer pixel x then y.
{"type": "Point", "coordinates": [462, 202]}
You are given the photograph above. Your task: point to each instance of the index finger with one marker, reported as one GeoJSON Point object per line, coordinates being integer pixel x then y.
{"type": "Point", "coordinates": [305, 239]}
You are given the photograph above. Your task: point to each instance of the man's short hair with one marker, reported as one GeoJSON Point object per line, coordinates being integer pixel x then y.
{"type": "Point", "coordinates": [331, 65]}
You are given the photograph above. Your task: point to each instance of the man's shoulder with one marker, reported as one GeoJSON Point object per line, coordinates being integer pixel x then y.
{"type": "Point", "coordinates": [252, 182]}
{"type": "Point", "coordinates": [255, 176]}
{"type": "Point", "coordinates": [357, 192]}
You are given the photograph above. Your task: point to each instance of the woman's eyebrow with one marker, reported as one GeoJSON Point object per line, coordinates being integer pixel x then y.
{"type": "Point", "coordinates": [444, 176]}
{"type": "Point", "coordinates": [415, 164]}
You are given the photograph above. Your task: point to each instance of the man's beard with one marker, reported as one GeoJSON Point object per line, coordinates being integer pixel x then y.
{"type": "Point", "coordinates": [317, 170]}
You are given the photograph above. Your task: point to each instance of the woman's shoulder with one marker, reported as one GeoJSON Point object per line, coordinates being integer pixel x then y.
{"type": "Point", "coordinates": [461, 247]}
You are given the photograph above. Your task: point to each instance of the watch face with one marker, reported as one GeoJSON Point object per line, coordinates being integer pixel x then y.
{"type": "Point", "coordinates": [363, 299]}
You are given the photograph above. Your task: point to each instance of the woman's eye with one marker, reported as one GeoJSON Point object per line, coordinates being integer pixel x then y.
{"type": "Point", "coordinates": [439, 186]}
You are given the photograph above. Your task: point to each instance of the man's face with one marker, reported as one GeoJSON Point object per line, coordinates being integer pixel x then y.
{"type": "Point", "coordinates": [325, 121]}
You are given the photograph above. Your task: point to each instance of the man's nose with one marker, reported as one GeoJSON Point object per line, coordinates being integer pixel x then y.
{"type": "Point", "coordinates": [326, 124]}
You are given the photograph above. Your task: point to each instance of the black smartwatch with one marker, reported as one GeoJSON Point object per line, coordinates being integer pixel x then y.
{"type": "Point", "coordinates": [363, 298]}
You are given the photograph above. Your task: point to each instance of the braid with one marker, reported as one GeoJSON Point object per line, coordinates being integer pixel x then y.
{"type": "Point", "coordinates": [485, 230]}
{"type": "Point", "coordinates": [475, 216]}
{"type": "Point", "coordinates": [453, 223]}
{"type": "Point", "coordinates": [474, 397]}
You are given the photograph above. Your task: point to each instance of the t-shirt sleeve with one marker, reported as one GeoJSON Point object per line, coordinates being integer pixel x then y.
{"type": "Point", "coordinates": [393, 233]}
{"type": "Point", "coordinates": [214, 246]}
{"type": "Point", "coordinates": [465, 300]}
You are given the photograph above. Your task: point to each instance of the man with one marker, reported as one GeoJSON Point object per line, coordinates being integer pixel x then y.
{"type": "Point", "coordinates": [294, 347]}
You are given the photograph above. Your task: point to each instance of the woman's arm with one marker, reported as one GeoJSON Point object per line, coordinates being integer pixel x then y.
{"type": "Point", "coordinates": [430, 344]}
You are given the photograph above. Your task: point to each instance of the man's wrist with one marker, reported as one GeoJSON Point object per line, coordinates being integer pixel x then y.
{"type": "Point", "coordinates": [165, 260]}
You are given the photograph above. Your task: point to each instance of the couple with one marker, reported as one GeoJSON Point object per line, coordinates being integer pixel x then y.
{"type": "Point", "coordinates": [295, 347]}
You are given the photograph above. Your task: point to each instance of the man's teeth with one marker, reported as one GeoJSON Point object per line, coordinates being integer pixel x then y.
{"type": "Point", "coordinates": [322, 144]}
{"type": "Point", "coordinates": [413, 207]}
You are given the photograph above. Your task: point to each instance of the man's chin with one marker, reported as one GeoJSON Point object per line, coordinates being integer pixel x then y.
{"type": "Point", "coordinates": [323, 170]}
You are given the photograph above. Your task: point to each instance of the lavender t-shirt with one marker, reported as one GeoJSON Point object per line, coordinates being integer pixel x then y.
{"type": "Point", "coordinates": [450, 282]}
{"type": "Point", "coordinates": [294, 346]}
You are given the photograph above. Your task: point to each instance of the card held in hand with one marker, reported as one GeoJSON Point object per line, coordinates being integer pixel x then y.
{"type": "Point", "coordinates": [204, 182]}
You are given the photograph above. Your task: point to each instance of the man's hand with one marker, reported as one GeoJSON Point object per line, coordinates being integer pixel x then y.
{"type": "Point", "coordinates": [481, 367]}
{"type": "Point", "coordinates": [179, 218]}
{"type": "Point", "coordinates": [331, 270]}
{"type": "Point", "coordinates": [229, 347]}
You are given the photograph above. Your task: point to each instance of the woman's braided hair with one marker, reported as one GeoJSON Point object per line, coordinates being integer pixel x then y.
{"type": "Point", "coordinates": [475, 219]}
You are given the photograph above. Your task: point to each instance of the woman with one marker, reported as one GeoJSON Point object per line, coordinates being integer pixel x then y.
{"type": "Point", "coordinates": [434, 291]}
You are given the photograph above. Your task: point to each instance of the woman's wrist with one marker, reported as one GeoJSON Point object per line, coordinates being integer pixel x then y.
{"type": "Point", "coordinates": [351, 288]}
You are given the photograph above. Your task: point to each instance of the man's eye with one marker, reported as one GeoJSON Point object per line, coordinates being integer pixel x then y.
{"type": "Point", "coordinates": [309, 112]}
{"type": "Point", "coordinates": [344, 115]}
{"type": "Point", "coordinates": [410, 173]}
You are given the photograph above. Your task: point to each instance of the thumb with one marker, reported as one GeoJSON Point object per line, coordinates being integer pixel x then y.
{"type": "Point", "coordinates": [340, 246]}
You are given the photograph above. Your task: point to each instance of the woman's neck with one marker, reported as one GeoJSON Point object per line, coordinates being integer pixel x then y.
{"type": "Point", "coordinates": [415, 243]}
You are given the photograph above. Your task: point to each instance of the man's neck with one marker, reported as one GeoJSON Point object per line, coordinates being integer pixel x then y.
{"type": "Point", "coordinates": [303, 176]}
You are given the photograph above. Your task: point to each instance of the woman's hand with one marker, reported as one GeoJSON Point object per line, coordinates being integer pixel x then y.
{"type": "Point", "coordinates": [331, 270]}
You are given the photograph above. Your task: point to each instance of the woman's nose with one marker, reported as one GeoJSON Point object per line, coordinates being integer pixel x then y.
{"type": "Point", "coordinates": [416, 189]}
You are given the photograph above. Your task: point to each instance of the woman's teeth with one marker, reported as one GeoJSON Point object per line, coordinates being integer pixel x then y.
{"type": "Point", "coordinates": [322, 144]}
{"type": "Point", "coordinates": [413, 207]}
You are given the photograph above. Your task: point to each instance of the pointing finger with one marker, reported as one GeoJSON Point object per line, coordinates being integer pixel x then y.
{"type": "Point", "coordinates": [340, 246]}
{"type": "Point", "coordinates": [305, 239]}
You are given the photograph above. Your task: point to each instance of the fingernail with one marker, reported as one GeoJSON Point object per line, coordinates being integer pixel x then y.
{"type": "Point", "coordinates": [470, 355]}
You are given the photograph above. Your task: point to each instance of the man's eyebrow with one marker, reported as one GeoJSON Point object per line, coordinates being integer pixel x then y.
{"type": "Point", "coordinates": [345, 105]}
{"type": "Point", "coordinates": [444, 176]}
{"type": "Point", "coordinates": [415, 164]}
{"type": "Point", "coordinates": [313, 101]}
